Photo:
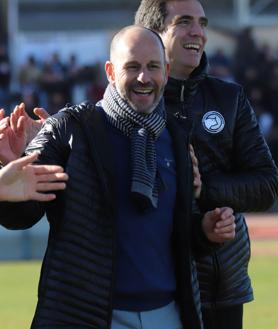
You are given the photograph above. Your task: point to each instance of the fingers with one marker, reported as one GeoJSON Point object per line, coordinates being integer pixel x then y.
{"type": "Point", "coordinates": [41, 113]}
{"type": "Point", "coordinates": [14, 121]}
{"type": "Point", "coordinates": [52, 177]}
{"type": "Point", "coordinates": [18, 111]}
{"type": "Point", "coordinates": [193, 156]}
{"type": "Point", "coordinates": [226, 212]}
{"type": "Point", "coordinates": [24, 161]}
{"type": "Point", "coordinates": [42, 197]}
{"type": "Point", "coordinates": [47, 169]}
{"type": "Point", "coordinates": [197, 177]}
{"type": "Point", "coordinates": [215, 214]}
{"type": "Point", "coordinates": [197, 182]}
{"type": "Point", "coordinates": [225, 226]}
{"type": "Point", "coordinates": [2, 114]}
{"type": "Point", "coordinates": [46, 186]}
{"type": "Point", "coordinates": [21, 126]}
{"type": "Point", "coordinates": [4, 123]}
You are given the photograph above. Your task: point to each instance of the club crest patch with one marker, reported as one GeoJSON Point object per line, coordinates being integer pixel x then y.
{"type": "Point", "coordinates": [213, 122]}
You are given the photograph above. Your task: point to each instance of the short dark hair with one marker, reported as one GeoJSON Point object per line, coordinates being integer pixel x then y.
{"type": "Point", "coordinates": [152, 14]}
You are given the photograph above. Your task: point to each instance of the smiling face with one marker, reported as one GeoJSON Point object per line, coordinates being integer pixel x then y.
{"type": "Point", "coordinates": [184, 36]}
{"type": "Point", "coordinates": [137, 69]}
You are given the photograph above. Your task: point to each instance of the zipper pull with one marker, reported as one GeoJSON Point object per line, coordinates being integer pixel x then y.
{"type": "Point", "coordinates": [182, 93]}
{"type": "Point", "coordinates": [180, 116]}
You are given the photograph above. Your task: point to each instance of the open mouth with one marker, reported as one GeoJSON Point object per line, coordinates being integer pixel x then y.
{"type": "Point", "coordinates": [192, 46]}
{"type": "Point", "coordinates": [143, 92]}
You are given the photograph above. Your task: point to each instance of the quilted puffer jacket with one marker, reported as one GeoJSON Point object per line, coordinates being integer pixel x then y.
{"type": "Point", "coordinates": [78, 272]}
{"type": "Point", "coordinates": [237, 170]}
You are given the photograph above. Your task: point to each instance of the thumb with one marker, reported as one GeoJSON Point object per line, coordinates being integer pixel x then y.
{"type": "Point", "coordinates": [41, 113]}
{"type": "Point", "coordinates": [215, 214]}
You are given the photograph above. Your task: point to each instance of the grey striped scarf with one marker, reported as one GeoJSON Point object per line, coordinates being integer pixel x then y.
{"type": "Point", "coordinates": [143, 130]}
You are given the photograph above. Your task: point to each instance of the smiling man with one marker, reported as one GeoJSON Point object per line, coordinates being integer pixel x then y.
{"type": "Point", "coordinates": [234, 161]}
{"type": "Point", "coordinates": [122, 234]}
{"type": "Point", "coordinates": [138, 76]}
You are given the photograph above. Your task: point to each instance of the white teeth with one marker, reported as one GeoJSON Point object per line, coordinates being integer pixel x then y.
{"type": "Point", "coordinates": [192, 46]}
{"type": "Point", "coordinates": [143, 91]}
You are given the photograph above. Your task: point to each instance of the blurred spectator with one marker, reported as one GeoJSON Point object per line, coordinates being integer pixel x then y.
{"type": "Point", "coordinates": [77, 89]}
{"type": "Point", "coordinates": [265, 118]}
{"type": "Point", "coordinates": [29, 75]}
{"type": "Point", "coordinates": [273, 143]}
{"type": "Point", "coordinates": [246, 53]}
{"type": "Point", "coordinates": [31, 100]}
{"type": "Point", "coordinates": [97, 87]}
{"type": "Point", "coordinates": [29, 79]}
{"type": "Point", "coordinates": [5, 75]}
{"type": "Point", "coordinates": [53, 81]}
{"type": "Point", "coordinates": [220, 65]}
{"type": "Point", "coordinates": [271, 91]}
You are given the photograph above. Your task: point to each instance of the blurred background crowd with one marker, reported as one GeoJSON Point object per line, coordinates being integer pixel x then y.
{"type": "Point", "coordinates": [54, 82]}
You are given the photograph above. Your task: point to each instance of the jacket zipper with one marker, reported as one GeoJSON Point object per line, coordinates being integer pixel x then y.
{"type": "Point", "coordinates": [216, 278]}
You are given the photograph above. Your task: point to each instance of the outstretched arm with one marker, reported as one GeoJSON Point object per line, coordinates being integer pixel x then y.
{"type": "Point", "coordinates": [22, 181]}
{"type": "Point", "coordinates": [53, 148]}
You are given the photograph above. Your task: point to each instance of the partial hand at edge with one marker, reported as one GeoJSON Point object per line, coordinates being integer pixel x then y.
{"type": "Point", "coordinates": [197, 182]}
{"type": "Point", "coordinates": [21, 181]}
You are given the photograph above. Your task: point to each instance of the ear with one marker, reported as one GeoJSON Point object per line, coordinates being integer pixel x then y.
{"type": "Point", "coordinates": [109, 69]}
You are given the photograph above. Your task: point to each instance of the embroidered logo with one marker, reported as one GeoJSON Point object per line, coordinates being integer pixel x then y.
{"type": "Point", "coordinates": [213, 122]}
{"type": "Point", "coordinates": [168, 162]}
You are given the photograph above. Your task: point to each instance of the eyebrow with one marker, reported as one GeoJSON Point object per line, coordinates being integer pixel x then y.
{"type": "Point", "coordinates": [157, 62]}
{"type": "Point", "coordinates": [177, 19]}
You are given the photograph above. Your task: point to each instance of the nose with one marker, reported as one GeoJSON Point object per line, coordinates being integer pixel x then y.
{"type": "Point", "coordinates": [143, 76]}
{"type": "Point", "coordinates": [197, 29]}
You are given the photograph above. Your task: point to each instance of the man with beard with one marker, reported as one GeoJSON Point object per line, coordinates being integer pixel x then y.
{"type": "Point", "coordinates": [122, 234]}
{"type": "Point", "coordinates": [234, 161]}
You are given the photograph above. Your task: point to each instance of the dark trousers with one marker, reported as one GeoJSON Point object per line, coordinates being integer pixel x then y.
{"type": "Point", "coordinates": [223, 318]}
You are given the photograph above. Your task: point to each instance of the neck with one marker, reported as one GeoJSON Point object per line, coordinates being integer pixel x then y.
{"type": "Point", "coordinates": [179, 77]}
{"type": "Point", "coordinates": [181, 74]}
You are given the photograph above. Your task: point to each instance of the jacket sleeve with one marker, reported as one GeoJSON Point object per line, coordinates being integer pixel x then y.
{"type": "Point", "coordinates": [252, 184]}
{"type": "Point", "coordinates": [22, 215]}
{"type": "Point", "coordinates": [201, 245]}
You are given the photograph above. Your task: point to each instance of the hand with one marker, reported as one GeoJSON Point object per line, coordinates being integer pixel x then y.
{"type": "Point", "coordinates": [219, 225]}
{"type": "Point", "coordinates": [2, 114]}
{"type": "Point", "coordinates": [9, 142]}
{"type": "Point", "coordinates": [21, 181]}
{"type": "Point", "coordinates": [197, 182]}
{"type": "Point", "coordinates": [32, 126]}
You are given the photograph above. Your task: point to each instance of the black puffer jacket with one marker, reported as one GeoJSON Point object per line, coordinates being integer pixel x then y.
{"type": "Point", "coordinates": [237, 170]}
{"type": "Point", "coordinates": [77, 277]}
